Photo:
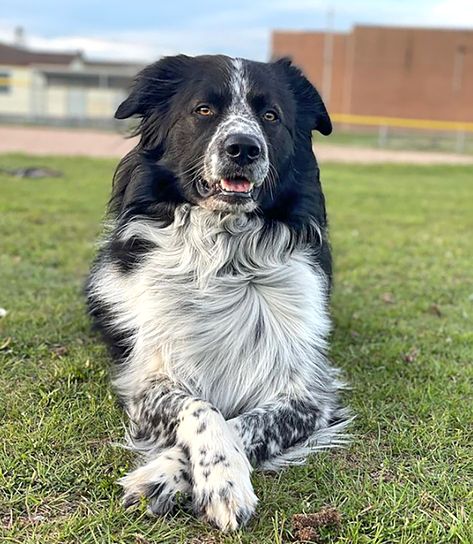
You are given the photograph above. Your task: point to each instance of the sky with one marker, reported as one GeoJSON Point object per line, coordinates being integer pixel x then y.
{"type": "Point", "coordinates": [143, 30]}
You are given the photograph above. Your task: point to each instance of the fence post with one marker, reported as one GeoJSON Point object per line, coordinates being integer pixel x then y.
{"type": "Point", "coordinates": [383, 135]}
{"type": "Point", "coordinates": [460, 141]}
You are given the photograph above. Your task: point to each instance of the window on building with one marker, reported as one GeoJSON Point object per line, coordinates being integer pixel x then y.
{"type": "Point", "coordinates": [104, 81]}
{"type": "Point", "coordinates": [72, 80]}
{"type": "Point", "coordinates": [5, 82]}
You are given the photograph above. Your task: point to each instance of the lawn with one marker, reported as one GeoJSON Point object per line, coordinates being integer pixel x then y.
{"type": "Point", "coordinates": [400, 139]}
{"type": "Point", "coordinates": [403, 335]}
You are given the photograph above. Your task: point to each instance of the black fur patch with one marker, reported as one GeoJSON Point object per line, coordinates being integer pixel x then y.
{"type": "Point", "coordinates": [129, 253]}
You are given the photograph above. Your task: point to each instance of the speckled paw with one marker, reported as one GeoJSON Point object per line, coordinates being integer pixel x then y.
{"type": "Point", "coordinates": [160, 481]}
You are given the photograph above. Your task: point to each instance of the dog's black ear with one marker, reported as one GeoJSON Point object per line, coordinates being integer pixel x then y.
{"type": "Point", "coordinates": [153, 86]}
{"type": "Point", "coordinates": [309, 102]}
{"type": "Point", "coordinates": [129, 107]}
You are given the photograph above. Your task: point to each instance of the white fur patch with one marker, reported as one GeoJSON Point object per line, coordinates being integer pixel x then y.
{"type": "Point", "coordinates": [233, 316]}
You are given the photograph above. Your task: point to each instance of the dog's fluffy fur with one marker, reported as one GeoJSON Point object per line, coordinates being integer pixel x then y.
{"type": "Point", "coordinates": [212, 284]}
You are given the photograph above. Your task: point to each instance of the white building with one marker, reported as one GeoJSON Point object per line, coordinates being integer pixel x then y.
{"type": "Point", "coordinates": [61, 88]}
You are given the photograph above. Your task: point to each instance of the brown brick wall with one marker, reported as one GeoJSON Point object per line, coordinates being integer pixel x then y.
{"type": "Point", "coordinates": [396, 72]}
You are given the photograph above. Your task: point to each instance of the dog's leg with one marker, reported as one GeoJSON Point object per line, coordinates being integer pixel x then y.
{"type": "Point", "coordinates": [219, 471]}
{"type": "Point", "coordinates": [222, 490]}
{"type": "Point", "coordinates": [152, 434]}
{"type": "Point", "coordinates": [285, 431]}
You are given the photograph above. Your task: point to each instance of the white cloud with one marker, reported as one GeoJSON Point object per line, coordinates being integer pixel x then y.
{"type": "Point", "coordinates": [215, 39]}
{"type": "Point", "coordinates": [110, 48]}
{"type": "Point", "coordinates": [246, 31]}
{"type": "Point", "coordinates": [453, 13]}
{"type": "Point", "coordinates": [145, 46]}
{"type": "Point", "coordinates": [97, 48]}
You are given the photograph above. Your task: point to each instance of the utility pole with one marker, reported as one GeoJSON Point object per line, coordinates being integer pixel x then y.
{"type": "Point", "coordinates": [19, 37]}
{"type": "Point", "coordinates": [328, 58]}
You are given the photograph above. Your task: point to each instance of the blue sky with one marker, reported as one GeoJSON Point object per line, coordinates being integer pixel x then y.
{"type": "Point", "coordinates": [144, 30]}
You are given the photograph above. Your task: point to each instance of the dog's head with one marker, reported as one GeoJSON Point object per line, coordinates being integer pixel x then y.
{"type": "Point", "coordinates": [225, 128]}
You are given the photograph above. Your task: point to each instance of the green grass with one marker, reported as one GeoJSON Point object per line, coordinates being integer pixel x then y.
{"type": "Point", "coordinates": [402, 308]}
{"type": "Point", "coordinates": [399, 139]}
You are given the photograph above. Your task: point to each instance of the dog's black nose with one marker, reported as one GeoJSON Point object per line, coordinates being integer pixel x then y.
{"type": "Point", "coordinates": [242, 148]}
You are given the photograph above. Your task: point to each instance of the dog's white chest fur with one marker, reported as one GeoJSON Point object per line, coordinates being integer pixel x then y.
{"type": "Point", "coordinates": [228, 310]}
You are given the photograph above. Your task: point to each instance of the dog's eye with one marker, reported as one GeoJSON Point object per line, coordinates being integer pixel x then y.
{"type": "Point", "coordinates": [270, 116]}
{"type": "Point", "coordinates": [204, 110]}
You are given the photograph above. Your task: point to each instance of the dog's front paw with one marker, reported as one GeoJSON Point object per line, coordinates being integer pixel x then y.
{"type": "Point", "coordinates": [222, 492]}
{"type": "Point", "coordinates": [159, 481]}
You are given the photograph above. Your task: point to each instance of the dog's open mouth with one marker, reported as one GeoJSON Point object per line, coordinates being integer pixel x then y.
{"type": "Point", "coordinates": [237, 187]}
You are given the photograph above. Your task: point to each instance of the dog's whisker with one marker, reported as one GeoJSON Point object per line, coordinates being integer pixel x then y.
{"type": "Point", "coordinates": [198, 163]}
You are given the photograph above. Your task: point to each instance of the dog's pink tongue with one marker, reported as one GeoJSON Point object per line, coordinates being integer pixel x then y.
{"type": "Point", "coordinates": [236, 186]}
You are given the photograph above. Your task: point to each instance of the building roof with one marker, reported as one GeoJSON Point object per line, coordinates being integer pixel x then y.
{"type": "Point", "coordinates": [12, 55]}
{"type": "Point", "coordinates": [20, 56]}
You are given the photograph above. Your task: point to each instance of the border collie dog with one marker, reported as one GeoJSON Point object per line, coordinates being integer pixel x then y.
{"type": "Point", "coordinates": [211, 286]}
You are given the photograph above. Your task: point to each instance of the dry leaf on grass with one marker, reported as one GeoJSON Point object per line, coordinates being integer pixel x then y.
{"type": "Point", "coordinates": [434, 309]}
{"type": "Point", "coordinates": [308, 534]}
{"type": "Point", "coordinates": [306, 525]}
{"type": "Point", "coordinates": [411, 355]}
{"type": "Point", "coordinates": [59, 351]}
{"type": "Point", "coordinates": [5, 343]}
{"type": "Point", "coordinates": [205, 539]}
{"type": "Point", "coordinates": [387, 298]}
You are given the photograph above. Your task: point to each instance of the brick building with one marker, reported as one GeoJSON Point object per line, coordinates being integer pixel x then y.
{"type": "Point", "coordinates": [386, 71]}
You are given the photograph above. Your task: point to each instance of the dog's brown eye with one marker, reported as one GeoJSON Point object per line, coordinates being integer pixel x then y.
{"type": "Point", "coordinates": [270, 116]}
{"type": "Point", "coordinates": [204, 110]}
